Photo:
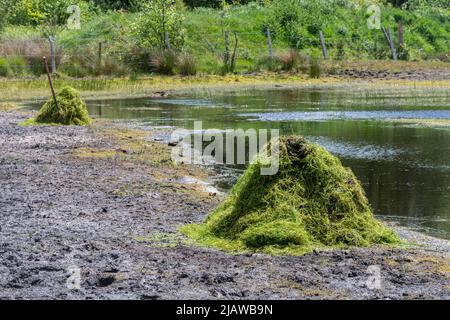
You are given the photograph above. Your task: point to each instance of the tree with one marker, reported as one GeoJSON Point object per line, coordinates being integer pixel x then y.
{"type": "Point", "coordinates": [158, 18]}
{"type": "Point", "coordinates": [50, 17]}
{"type": "Point", "coordinates": [130, 5]}
{"type": "Point", "coordinates": [6, 8]}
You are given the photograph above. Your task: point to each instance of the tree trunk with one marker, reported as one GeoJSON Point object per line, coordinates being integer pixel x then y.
{"type": "Point", "coordinates": [269, 43]}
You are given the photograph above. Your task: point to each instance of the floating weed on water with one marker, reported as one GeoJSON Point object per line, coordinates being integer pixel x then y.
{"type": "Point", "coordinates": [439, 123]}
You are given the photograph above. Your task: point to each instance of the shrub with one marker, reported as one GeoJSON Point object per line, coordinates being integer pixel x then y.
{"type": "Point", "coordinates": [157, 18]}
{"type": "Point", "coordinates": [213, 3]}
{"type": "Point", "coordinates": [111, 67]}
{"type": "Point", "coordinates": [86, 63]}
{"type": "Point", "coordinates": [164, 62]}
{"type": "Point", "coordinates": [186, 65]}
{"type": "Point", "coordinates": [71, 109]}
{"type": "Point", "coordinates": [290, 60]}
{"type": "Point", "coordinates": [18, 65]}
{"type": "Point", "coordinates": [32, 50]}
{"type": "Point", "coordinates": [314, 68]}
{"type": "Point", "coordinates": [4, 68]}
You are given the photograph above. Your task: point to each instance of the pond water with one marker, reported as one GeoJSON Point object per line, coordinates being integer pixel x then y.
{"type": "Point", "coordinates": [404, 168]}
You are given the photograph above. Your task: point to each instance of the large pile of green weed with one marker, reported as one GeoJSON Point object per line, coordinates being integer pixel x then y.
{"type": "Point", "coordinates": [312, 202]}
{"type": "Point", "coordinates": [71, 109]}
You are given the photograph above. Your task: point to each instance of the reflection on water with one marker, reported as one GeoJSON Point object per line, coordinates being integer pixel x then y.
{"type": "Point", "coordinates": [405, 169]}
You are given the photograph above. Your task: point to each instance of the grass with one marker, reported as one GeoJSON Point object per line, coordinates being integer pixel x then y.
{"type": "Point", "coordinates": [345, 29]}
{"type": "Point", "coordinates": [109, 87]}
{"type": "Point", "coordinates": [313, 202]}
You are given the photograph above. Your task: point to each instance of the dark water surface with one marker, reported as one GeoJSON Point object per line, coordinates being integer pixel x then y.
{"type": "Point", "coordinates": [405, 168]}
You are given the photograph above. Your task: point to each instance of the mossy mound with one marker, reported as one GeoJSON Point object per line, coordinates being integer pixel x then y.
{"type": "Point", "coordinates": [312, 202]}
{"type": "Point", "coordinates": [71, 109]}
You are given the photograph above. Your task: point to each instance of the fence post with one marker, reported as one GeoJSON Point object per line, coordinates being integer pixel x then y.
{"type": "Point", "coordinates": [388, 36]}
{"type": "Point", "coordinates": [52, 40]}
{"type": "Point", "coordinates": [269, 43]}
{"type": "Point", "coordinates": [167, 40]}
{"type": "Point", "coordinates": [235, 53]}
{"type": "Point", "coordinates": [99, 54]}
{"type": "Point", "coordinates": [391, 41]}
{"type": "Point", "coordinates": [226, 56]}
{"type": "Point", "coordinates": [324, 48]}
{"type": "Point", "coordinates": [400, 33]}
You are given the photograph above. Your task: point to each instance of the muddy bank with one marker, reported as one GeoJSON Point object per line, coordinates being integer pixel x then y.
{"type": "Point", "coordinates": [106, 200]}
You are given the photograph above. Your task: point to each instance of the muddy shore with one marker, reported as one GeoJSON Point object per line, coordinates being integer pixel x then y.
{"type": "Point", "coordinates": [111, 204]}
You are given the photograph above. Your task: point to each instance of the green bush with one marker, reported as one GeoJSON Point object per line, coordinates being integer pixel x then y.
{"type": "Point", "coordinates": [186, 65]}
{"type": "Point", "coordinates": [4, 68]}
{"type": "Point", "coordinates": [314, 68]}
{"type": "Point", "coordinates": [18, 66]}
{"type": "Point", "coordinates": [164, 62]}
{"type": "Point", "coordinates": [213, 3]}
{"type": "Point", "coordinates": [157, 18]}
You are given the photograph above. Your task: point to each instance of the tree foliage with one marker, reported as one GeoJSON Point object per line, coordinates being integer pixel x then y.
{"type": "Point", "coordinates": [157, 18]}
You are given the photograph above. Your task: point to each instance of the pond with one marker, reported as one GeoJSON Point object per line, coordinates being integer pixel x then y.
{"type": "Point", "coordinates": [404, 167]}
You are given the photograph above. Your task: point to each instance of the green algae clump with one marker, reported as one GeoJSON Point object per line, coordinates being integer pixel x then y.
{"type": "Point", "coordinates": [71, 109]}
{"type": "Point", "coordinates": [313, 202]}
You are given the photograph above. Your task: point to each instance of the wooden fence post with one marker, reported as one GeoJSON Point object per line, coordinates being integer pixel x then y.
{"type": "Point", "coordinates": [99, 54]}
{"type": "Point", "coordinates": [52, 40]}
{"type": "Point", "coordinates": [167, 40]}
{"type": "Point", "coordinates": [324, 48]}
{"type": "Point", "coordinates": [400, 33]}
{"type": "Point", "coordinates": [269, 43]}
{"type": "Point", "coordinates": [388, 36]}
{"type": "Point", "coordinates": [391, 40]}
{"type": "Point", "coordinates": [226, 56]}
{"type": "Point", "coordinates": [235, 53]}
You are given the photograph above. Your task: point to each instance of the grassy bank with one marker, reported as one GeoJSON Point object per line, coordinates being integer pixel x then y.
{"type": "Point", "coordinates": [19, 90]}
{"type": "Point", "coordinates": [343, 23]}
{"type": "Point", "coordinates": [25, 90]}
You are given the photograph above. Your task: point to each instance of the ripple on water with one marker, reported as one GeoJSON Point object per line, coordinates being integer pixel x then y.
{"type": "Point", "coordinates": [348, 115]}
{"type": "Point", "coordinates": [350, 150]}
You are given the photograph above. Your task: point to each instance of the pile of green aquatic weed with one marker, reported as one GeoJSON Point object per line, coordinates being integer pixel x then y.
{"type": "Point", "coordinates": [71, 109]}
{"type": "Point", "coordinates": [312, 202]}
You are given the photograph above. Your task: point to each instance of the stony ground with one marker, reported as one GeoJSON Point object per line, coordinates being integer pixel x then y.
{"type": "Point", "coordinates": [68, 201]}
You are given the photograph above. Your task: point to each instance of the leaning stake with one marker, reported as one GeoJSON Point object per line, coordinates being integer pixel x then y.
{"type": "Point", "coordinates": [50, 82]}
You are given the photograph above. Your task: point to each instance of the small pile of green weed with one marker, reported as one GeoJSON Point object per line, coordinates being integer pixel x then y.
{"type": "Point", "coordinates": [312, 202]}
{"type": "Point", "coordinates": [71, 109]}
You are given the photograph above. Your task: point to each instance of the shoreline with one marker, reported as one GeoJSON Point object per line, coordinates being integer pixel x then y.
{"type": "Point", "coordinates": [106, 199]}
{"type": "Point", "coordinates": [157, 86]}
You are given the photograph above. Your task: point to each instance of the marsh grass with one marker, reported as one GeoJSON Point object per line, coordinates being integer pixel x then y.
{"type": "Point", "coordinates": [109, 87]}
{"type": "Point", "coordinates": [313, 202]}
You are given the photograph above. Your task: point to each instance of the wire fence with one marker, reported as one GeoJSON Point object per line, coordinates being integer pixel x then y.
{"type": "Point", "coordinates": [22, 57]}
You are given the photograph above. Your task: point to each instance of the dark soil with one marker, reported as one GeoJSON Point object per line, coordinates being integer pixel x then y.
{"type": "Point", "coordinates": [413, 75]}
{"type": "Point", "coordinates": [118, 223]}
